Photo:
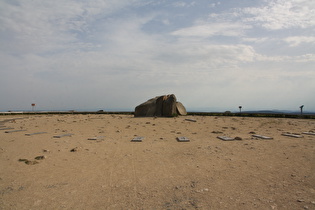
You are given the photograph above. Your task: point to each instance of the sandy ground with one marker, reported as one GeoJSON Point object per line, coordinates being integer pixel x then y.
{"type": "Point", "coordinates": [159, 172]}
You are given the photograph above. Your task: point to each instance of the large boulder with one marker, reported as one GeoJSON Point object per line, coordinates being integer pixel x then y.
{"type": "Point", "coordinates": [181, 110]}
{"type": "Point", "coordinates": [160, 106]}
{"type": "Point", "coordinates": [169, 106]}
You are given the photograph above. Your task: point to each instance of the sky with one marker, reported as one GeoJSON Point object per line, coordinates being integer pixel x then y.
{"type": "Point", "coordinates": [114, 55]}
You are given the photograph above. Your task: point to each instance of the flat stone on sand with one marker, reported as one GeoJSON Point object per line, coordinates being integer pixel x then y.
{"type": "Point", "coordinates": [292, 135]}
{"type": "Point", "coordinates": [183, 139]}
{"type": "Point", "coordinates": [96, 138]}
{"type": "Point", "coordinates": [191, 120]}
{"type": "Point", "coordinates": [31, 134]}
{"type": "Point", "coordinates": [14, 131]}
{"type": "Point", "coordinates": [6, 128]}
{"type": "Point", "coordinates": [262, 137]}
{"type": "Point", "coordinates": [226, 138]}
{"type": "Point", "coordinates": [63, 135]}
{"type": "Point", "coordinates": [137, 139]}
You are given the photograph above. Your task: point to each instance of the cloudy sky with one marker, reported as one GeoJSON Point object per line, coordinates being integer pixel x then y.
{"type": "Point", "coordinates": [106, 54]}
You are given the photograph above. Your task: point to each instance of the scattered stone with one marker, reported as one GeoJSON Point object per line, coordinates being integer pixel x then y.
{"type": "Point", "coordinates": [28, 162]}
{"type": "Point", "coordinates": [238, 138]}
{"type": "Point", "coordinates": [14, 131]}
{"type": "Point", "coordinates": [41, 157]}
{"type": "Point", "coordinates": [31, 162]}
{"type": "Point", "coordinates": [191, 120]}
{"type": "Point", "coordinates": [74, 149]}
{"type": "Point", "coordinates": [216, 132]}
{"type": "Point", "coordinates": [96, 138]}
{"type": "Point", "coordinates": [262, 137]}
{"type": "Point", "coordinates": [226, 138]}
{"type": "Point", "coordinates": [292, 135]}
{"type": "Point", "coordinates": [31, 134]}
{"type": "Point", "coordinates": [309, 133]}
{"type": "Point", "coordinates": [252, 132]}
{"type": "Point", "coordinates": [22, 160]}
{"type": "Point", "coordinates": [183, 139]}
{"type": "Point", "coordinates": [63, 135]}
{"type": "Point", "coordinates": [6, 128]}
{"type": "Point", "coordinates": [137, 139]}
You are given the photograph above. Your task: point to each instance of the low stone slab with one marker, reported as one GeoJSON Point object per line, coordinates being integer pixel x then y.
{"type": "Point", "coordinates": [137, 139]}
{"type": "Point", "coordinates": [262, 137]}
{"type": "Point", "coordinates": [226, 138]}
{"type": "Point", "coordinates": [31, 134]}
{"type": "Point", "coordinates": [309, 133]}
{"type": "Point", "coordinates": [292, 135]}
{"type": "Point", "coordinates": [14, 131]}
{"type": "Point", "coordinates": [6, 128]}
{"type": "Point", "coordinates": [191, 120]}
{"type": "Point", "coordinates": [96, 138]}
{"type": "Point", "coordinates": [183, 139]}
{"type": "Point", "coordinates": [63, 135]}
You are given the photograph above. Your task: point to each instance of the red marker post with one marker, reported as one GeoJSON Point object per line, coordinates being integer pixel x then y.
{"type": "Point", "coordinates": [33, 107]}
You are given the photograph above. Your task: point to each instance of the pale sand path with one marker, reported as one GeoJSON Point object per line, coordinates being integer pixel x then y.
{"type": "Point", "coordinates": [158, 173]}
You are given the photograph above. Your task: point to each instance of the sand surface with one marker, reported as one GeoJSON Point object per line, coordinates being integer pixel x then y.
{"type": "Point", "coordinates": [158, 173]}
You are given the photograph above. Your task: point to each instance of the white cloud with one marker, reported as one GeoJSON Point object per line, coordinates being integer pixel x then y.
{"type": "Point", "coordinates": [184, 4]}
{"type": "Point", "coordinates": [282, 14]}
{"type": "Point", "coordinates": [295, 41]}
{"type": "Point", "coordinates": [212, 29]}
{"type": "Point", "coordinates": [256, 40]}
{"type": "Point", "coordinates": [43, 27]}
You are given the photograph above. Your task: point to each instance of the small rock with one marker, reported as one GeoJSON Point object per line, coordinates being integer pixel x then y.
{"type": "Point", "coordinates": [31, 162]}
{"type": "Point", "coordinates": [23, 160]}
{"type": "Point", "coordinates": [238, 138]}
{"type": "Point", "coordinates": [74, 150]}
{"type": "Point", "coordinates": [41, 157]}
{"type": "Point", "coordinates": [216, 132]}
{"type": "Point", "coordinates": [300, 200]}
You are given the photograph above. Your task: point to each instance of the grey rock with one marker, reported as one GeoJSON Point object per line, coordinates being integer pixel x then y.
{"type": "Point", "coordinates": [160, 106]}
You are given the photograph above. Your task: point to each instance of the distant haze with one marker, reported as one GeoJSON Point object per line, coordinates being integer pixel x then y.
{"type": "Point", "coordinates": [213, 55]}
